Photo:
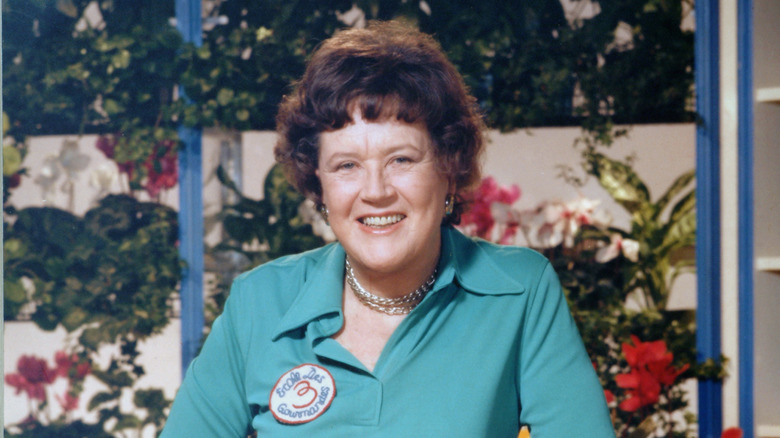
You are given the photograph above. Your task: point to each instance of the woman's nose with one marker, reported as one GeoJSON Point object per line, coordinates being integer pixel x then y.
{"type": "Point", "coordinates": [376, 187]}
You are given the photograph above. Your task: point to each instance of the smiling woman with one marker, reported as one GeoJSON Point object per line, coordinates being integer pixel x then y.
{"type": "Point", "coordinates": [404, 326]}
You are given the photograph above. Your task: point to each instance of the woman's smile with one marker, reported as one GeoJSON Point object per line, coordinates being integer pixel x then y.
{"type": "Point", "coordinates": [381, 222]}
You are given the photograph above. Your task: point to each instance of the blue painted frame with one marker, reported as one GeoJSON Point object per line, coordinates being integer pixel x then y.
{"type": "Point", "coordinates": [708, 243]}
{"type": "Point", "coordinates": [745, 190]}
{"type": "Point", "coordinates": [188, 22]}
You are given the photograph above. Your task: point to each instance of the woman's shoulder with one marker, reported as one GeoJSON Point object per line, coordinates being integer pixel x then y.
{"type": "Point", "coordinates": [485, 263]}
{"type": "Point", "coordinates": [288, 265]}
{"type": "Point", "coordinates": [508, 256]}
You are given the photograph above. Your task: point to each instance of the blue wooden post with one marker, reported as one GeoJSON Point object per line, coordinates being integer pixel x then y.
{"type": "Point", "coordinates": [188, 22]}
{"type": "Point", "coordinates": [708, 246]}
{"type": "Point", "coordinates": [745, 202]}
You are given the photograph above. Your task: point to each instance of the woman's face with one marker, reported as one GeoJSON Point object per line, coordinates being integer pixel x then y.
{"type": "Point", "coordinates": [384, 195]}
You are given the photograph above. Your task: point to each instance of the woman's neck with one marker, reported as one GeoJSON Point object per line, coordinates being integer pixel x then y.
{"type": "Point", "coordinates": [397, 283]}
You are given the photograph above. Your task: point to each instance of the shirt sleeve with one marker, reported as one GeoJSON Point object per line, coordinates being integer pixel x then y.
{"type": "Point", "coordinates": [211, 401]}
{"type": "Point", "coordinates": [560, 394]}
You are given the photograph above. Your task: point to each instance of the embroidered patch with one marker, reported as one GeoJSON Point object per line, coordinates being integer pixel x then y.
{"type": "Point", "coordinates": [302, 394]}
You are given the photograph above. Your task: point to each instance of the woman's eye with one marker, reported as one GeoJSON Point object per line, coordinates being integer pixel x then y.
{"type": "Point", "coordinates": [346, 166]}
{"type": "Point", "coordinates": [402, 160]}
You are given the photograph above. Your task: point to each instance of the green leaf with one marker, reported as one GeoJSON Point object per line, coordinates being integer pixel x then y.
{"type": "Point", "coordinates": [150, 399]}
{"type": "Point", "coordinates": [121, 59]}
{"type": "Point", "coordinates": [682, 231]}
{"type": "Point", "coordinates": [92, 338]}
{"type": "Point", "coordinates": [12, 160]}
{"type": "Point", "coordinates": [127, 421]}
{"type": "Point", "coordinates": [111, 106]}
{"type": "Point", "coordinates": [224, 96]}
{"type": "Point", "coordinates": [677, 186]}
{"type": "Point", "coordinates": [203, 52]}
{"type": "Point", "coordinates": [103, 397]}
{"type": "Point", "coordinates": [242, 115]}
{"type": "Point", "coordinates": [620, 181]}
{"type": "Point", "coordinates": [13, 290]}
{"type": "Point", "coordinates": [683, 207]}
{"type": "Point", "coordinates": [73, 319]}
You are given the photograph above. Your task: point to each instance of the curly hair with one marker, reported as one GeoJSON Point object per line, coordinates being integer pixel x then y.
{"type": "Point", "coordinates": [386, 70]}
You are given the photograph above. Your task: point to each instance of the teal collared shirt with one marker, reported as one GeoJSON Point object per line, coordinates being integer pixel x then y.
{"type": "Point", "coordinates": [492, 346]}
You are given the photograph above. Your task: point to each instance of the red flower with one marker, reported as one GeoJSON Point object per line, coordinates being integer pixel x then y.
{"type": "Point", "coordinates": [651, 369]}
{"type": "Point", "coordinates": [609, 396]}
{"type": "Point", "coordinates": [732, 432]}
{"type": "Point", "coordinates": [32, 376]}
{"type": "Point", "coordinates": [162, 168]}
{"type": "Point", "coordinates": [643, 389]}
{"type": "Point", "coordinates": [71, 366]}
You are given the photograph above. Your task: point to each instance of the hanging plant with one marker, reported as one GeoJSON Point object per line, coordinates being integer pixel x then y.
{"type": "Point", "coordinates": [107, 278]}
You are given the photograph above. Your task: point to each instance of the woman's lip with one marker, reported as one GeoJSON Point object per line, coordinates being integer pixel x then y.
{"type": "Point", "coordinates": [381, 220]}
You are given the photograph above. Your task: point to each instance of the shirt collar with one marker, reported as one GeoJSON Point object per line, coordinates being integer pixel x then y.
{"type": "Point", "coordinates": [474, 263]}
{"type": "Point", "coordinates": [462, 259]}
{"type": "Point", "coordinates": [321, 291]}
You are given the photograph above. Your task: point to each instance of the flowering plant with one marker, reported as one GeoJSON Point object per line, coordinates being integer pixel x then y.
{"type": "Point", "coordinates": [108, 278]}
{"type": "Point", "coordinates": [618, 284]}
{"type": "Point", "coordinates": [148, 160]}
{"type": "Point", "coordinates": [36, 379]}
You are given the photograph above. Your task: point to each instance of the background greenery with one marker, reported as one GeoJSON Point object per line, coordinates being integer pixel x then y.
{"type": "Point", "coordinates": [528, 63]}
{"type": "Point", "coordinates": [523, 60]}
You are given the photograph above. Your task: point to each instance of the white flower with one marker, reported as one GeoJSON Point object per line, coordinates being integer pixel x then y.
{"type": "Point", "coordinates": [49, 174]}
{"type": "Point", "coordinates": [71, 159]}
{"type": "Point", "coordinates": [555, 222]}
{"type": "Point", "coordinates": [103, 177]}
{"type": "Point", "coordinates": [617, 244]}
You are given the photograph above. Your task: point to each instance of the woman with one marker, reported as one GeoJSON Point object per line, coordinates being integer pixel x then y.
{"type": "Point", "coordinates": [404, 327]}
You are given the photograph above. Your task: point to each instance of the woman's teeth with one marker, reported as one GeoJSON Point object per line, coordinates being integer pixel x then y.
{"type": "Point", "coordinates": [380, 221]}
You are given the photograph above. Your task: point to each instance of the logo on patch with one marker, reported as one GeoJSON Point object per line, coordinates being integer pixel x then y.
{"type": "Point", "coordinates": [302, 394]}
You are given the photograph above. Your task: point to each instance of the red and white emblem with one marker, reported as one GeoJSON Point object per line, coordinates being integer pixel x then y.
{"type": "Point", "coordinates": [302, 394]}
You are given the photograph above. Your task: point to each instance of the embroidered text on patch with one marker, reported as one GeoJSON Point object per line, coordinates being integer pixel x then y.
{"type": "Point", "coordinates": [302, 394]}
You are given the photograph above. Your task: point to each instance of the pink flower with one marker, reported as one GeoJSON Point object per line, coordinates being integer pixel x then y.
{"type": "Point", "coordinates": [32, 376]}
{"type": "Point", "coordinates": [71, 366]}
{"type": "Point", "coordinates": [489, 205]}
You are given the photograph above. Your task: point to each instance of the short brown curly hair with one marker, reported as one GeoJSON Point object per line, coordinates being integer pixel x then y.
{"type": "Point", "coordinates": [387, 69]}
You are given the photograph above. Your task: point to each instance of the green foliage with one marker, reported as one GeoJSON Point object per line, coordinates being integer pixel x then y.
{"type": "Point", "coordinates": [612, 301]}
{"type": "Point", "coordinates": [61, 75]}
{"type": "Point", "coordinates": [522, 61]}
{"type": "Point", "coordinates": [239, 75]}
{"type": "Point", "coordinates": [268, 228]}
{"type": "Point", "coordinates": [75, 429]}
{"type": "Point", "coordinates": [95, 271]}
{"type": "Point", "coordinates": [108, 278]}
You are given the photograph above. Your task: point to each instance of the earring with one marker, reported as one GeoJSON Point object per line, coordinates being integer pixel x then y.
{"type": "Point", "coordinates": [449, 204]}
{"type": "Point", "coordinates": [324, 212]}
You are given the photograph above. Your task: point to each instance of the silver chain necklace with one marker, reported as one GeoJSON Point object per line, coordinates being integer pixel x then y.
{"type": "Point", "coordinates": [391, 306]}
